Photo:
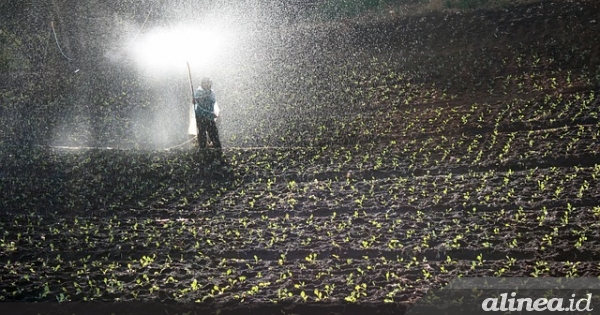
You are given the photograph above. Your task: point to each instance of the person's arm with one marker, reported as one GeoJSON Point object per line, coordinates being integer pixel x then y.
{"type": "Point", "coordinates": [217, 110]}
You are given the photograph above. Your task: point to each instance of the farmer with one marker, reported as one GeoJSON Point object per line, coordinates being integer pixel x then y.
{"type": "Point", "coordinates": [207, 111]}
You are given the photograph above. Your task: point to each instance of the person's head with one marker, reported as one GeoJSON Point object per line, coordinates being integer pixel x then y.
{"type": "Point", "coordinates": [206, 83]}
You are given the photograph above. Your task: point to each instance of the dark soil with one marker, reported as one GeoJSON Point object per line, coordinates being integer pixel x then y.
{"type": "Point", "coordinates": [468, 145]}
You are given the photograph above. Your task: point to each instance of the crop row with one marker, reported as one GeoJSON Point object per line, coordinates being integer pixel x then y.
{"type": "Point", "coordinates": [75, 180]}
{"type": "Point", "coordinates": [391, 232]}
{"type": "Point", "coordinates": [117, 258]}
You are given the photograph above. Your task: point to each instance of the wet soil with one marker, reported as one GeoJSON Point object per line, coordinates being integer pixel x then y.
{"type": "Point", "coordinates": [471, 148]}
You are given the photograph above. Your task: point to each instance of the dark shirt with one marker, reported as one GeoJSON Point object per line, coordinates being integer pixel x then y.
{"type": "Point", "coordinates": [205, 104]}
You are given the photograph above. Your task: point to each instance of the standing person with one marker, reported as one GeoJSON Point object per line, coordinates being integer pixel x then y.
{"type": "Point", "coordinates": [207, 111]}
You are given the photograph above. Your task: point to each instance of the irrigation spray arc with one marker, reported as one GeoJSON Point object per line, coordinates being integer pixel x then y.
{"type": "Point", "coordinates": [163, 52]}
{"type": "Point", "coordinates": [228, 45]}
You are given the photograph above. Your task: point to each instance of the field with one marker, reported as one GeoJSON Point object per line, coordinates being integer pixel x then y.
{"type": "Point", "coordinates": [439, 145]}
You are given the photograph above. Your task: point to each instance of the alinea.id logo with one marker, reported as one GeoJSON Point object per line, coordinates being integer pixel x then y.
{"type": "Point", "coordinates": [512, 304]}
{"type": "Point", "coordinates": [507, 295]}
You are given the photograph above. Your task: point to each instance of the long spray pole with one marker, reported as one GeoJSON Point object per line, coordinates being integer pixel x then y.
{"type": "Point", "coordinates": [191, 84]}
{"type": "Point", "coordinates": [192, 129]}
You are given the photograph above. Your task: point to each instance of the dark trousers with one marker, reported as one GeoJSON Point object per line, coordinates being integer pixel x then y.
{"type": "Point", "coordinates": [207, 125]}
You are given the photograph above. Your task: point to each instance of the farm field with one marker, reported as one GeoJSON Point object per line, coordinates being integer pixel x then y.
{"type": "Point", "coordinates": [442, 145]}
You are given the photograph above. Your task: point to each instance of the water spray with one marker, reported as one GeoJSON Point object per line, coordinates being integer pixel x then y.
{"type": "Point", "coordinates": [163, 52]}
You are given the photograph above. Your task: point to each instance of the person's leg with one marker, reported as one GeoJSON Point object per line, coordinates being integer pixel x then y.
{"type": "Point", "coordinates": [201, 124]}
{"type": "Point", "coordinates": [213, 133]}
